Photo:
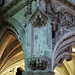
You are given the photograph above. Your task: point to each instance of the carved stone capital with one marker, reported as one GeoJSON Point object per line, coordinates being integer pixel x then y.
{"type": "Point", "coordinates": [39, 63]}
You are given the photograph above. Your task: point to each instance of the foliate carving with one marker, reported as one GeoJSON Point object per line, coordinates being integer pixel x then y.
{"type": "Point", "coordinates": [32, 5]}
{"type": "Point", "coordinates": [66, 19]}
{"type": "Point", "coordinates": [62, 23]}
{"type": "Point", "coordinates": [28, 8]}
{"type": "Point", "coordinates": [39, 63]}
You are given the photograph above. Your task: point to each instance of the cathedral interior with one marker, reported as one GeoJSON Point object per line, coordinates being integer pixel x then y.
{"type": "Point", "coordinates": [37, 37]}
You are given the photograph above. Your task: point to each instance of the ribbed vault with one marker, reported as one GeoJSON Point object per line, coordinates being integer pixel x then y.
{"type": "Point", "coordinates": [68, 67]}
{"type": "Point", "coordinates": [11, 54]}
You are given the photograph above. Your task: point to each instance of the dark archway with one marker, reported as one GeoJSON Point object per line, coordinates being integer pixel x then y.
{"type": "Point", "coordinates": [19, 72]}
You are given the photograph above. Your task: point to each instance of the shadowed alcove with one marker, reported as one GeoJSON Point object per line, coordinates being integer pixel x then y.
{"type": "Point", "coordinates": [19, 72]}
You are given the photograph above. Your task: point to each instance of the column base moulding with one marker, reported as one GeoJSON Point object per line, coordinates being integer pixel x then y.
{"type": "Point", "coordinates": [38, 73]}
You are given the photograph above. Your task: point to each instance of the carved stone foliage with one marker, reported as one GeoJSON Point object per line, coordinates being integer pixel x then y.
{"type": "Point", "coordinates": [32, 5]}
{"type": "Point", "coordinates": [39, 63]}
{"type": "Point", "coordinates": [65, 22]}
{"type": "Point", "coordinates": [62, 23]}
{"type": "Point", "coordinates": [66, 19]}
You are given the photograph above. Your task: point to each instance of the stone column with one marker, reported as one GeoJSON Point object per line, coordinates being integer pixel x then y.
{"type": "Point", "coordinates": [38, 44]}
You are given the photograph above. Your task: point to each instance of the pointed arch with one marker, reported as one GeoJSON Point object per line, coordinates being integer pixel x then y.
{"type": "Point", "coordinates": [13, 27]}
{"type": "Point", "coordinates": [64, 47]}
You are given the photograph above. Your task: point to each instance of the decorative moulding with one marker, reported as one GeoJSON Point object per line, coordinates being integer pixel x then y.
{"type": "Point", "coordinates": [38, 16]}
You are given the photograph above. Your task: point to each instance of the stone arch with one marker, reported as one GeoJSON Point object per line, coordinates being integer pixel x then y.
{"type": "Point", "coordinates": [12, 49]}
{"type": "Point", "coordinates": [63, 49]}
{"type": "Point", "coordinates": [65, 9]}
{"type": "Point", "coordinates": [67, 67]}
{"type": "Point", "coordinates": [14, 28]}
